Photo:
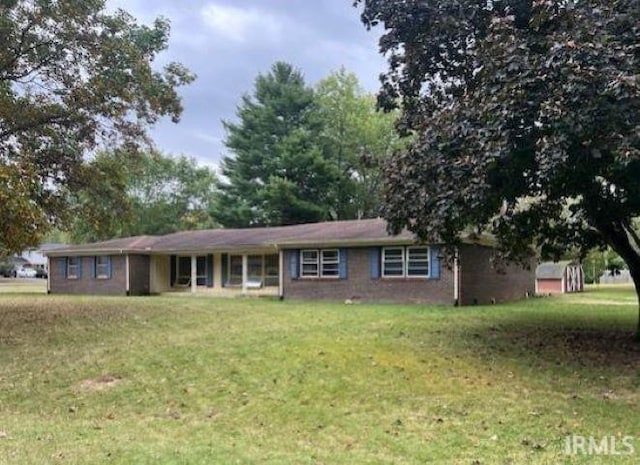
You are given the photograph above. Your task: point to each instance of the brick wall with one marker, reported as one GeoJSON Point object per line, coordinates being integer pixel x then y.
{"type": "Point", "coordinates": [86, 283]}
{"type": "Point", "coordinates": [482, 283]}
{"type": "Point", "coordinates": [360, 286]}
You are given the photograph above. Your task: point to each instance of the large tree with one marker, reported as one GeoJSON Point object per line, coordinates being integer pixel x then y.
{"type": "Point", "coordinates": [73, 78]}
{"type": "Point", "coordinates": [527, 115]}
{"type": "Point", "coordinates": [276, 171]}
{"type": "Point", "coordinates": [358, 139]}
{"type": "Point", "coordinates": [149, 193]}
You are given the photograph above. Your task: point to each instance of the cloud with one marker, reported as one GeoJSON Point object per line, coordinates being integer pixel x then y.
{"type": "Point", "coordinates": [241, 24]}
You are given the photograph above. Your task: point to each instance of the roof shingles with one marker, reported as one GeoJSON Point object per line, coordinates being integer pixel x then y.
{"type": "Point", "coordinates": [336, 232]}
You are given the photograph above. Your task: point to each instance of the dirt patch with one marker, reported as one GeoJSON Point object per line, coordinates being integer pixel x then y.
{"type": "Point", "coordinates": [101, 382]}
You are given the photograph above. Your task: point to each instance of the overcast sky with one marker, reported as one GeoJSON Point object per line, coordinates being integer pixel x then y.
{"type": "Point", "coordinates": [228, 42]}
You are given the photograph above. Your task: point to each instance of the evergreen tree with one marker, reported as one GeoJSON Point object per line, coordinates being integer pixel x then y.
{"type": "Point", "coordinates": [276, 172]}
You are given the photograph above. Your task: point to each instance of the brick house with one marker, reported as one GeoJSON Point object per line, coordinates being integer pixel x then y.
{"type": "Point", "coordinates": [356, 260]}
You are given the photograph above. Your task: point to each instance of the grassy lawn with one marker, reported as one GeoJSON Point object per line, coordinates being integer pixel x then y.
{"type": "Point", "coordinates": [192, 380]}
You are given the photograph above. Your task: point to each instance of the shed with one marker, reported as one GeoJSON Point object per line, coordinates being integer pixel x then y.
{"type": "Point", "coordinates": [559, 277]}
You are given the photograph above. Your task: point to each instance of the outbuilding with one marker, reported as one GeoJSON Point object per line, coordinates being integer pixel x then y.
{"type": "Point", "coordinates": [559, 277]}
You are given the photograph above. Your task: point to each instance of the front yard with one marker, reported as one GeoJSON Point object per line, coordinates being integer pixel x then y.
{"type": "Point", "coordinates": [194, 380]}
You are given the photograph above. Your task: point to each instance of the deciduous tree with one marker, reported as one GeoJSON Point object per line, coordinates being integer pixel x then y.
{"type": "Point", "coordinates": [146, 194]}
{"type": "Point", "coordinates": [527, 114]}
{"type": "Point", "coordinates": [73, 78]}
{"type": "Point", "coordinates": [359, 139]}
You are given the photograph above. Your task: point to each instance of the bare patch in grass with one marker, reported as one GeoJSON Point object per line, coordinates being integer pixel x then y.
{"type": "Point", "coordinates": [101, 382]}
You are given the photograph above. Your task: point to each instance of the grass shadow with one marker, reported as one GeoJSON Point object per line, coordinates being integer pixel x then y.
{"type": "Point", "coordinates": [550, 341]}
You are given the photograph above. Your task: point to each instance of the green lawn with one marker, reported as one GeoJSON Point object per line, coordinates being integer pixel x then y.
{"type": "Point", "coordinates": [193, 380]}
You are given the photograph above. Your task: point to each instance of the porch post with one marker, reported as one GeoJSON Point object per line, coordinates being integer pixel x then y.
{"type": "Point", "coordinates": [245, 272]}
{"type": "Point", "coordinates": [194, 273]}
{"type": "Point", "coordinates": [281, 274]}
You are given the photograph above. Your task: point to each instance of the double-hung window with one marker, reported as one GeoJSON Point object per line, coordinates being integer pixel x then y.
{"type": "Point", "coordinates": [405, 262]}
{"type": "Point", "coordinates": [393, 263]}
{"type": "Point", "coordinates": [103, 263]}
{"type": "Point", "coordinates": [418, 262]}
{"type": "Point", "coordinates": [310, 263]}
{"type": "Point", "coordinates": [73, 267]}
{"type": "Point", "coordinates": [323, 263]}
{"type": "Point", "coordinates": [330, 263]}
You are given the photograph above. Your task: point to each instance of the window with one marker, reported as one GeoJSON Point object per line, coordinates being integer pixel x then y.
{"type": "Point", "coordinates": [409, 262]}
{"type": "Point", "coordinates": [73, 267]}
{"type": "Point", "coordinates": [418, 262]}
{"type": "Point", "coordinates": [309, 261]}
{"type": "Point", "coordinates": [235, 270]}
{"type": "Point", "coordinates": [263, 269]}
{"type": "Point", "coordinates": [393, 262]}
{"type": "Point", "coordinates": [201, 270]}
{"type": "Point", "coordinates": [320, 263]}
{"type": "Point", "coordinates": [184, 270]}
{"type": "Point", "coordinates": [330, 263]}
{"type": "Point", "coordinates": [271, 270]}
{"type": "Point", "coordinates": [103, 266]}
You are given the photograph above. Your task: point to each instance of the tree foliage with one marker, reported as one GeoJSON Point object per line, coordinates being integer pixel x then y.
{"type": "Point", "coordinates": [527, 117]}
{"type": "Point", "coordinates": [276, 173]}
{"type": "Point", "coordinates": [145, 194]}
{"type": "Point", "coordinates": [300, 154]}
{"type": "Point", "coordinates": [73, 78]}
{"type": "Point", "coordinates": [358, 139]}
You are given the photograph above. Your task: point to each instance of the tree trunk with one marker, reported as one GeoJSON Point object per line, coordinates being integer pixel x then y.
{"type": "Point", "coordinates": [626, 243]}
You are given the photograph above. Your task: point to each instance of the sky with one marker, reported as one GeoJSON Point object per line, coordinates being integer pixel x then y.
{"type": "Point", "coordinates": [227, 43]}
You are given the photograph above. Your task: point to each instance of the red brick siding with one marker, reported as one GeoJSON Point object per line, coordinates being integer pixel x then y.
{"type": "Point", "coordinates": [482, 283]}
{"type": "Point", "coordinates": [360, 286]}
{"type": "Point", "coordinates": [86, 284]}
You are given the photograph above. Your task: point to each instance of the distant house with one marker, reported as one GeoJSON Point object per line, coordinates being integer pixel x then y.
{"type": "Point", "coordinates": [35, 256]}
{"type": "Point", "coordinates": [615, 277]}
{"type": "Point", "coordinates": [559, 277]}
{"type": "Point", "coordinates": [356, 260]}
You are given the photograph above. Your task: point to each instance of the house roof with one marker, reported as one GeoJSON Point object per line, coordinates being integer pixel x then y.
{"type": "Point", "coordinates": [552, 270]}
{"type": "Point", "coordinates": [337, 233]}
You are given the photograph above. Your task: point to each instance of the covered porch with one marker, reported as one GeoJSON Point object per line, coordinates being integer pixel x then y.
{"type": "Point", "coordinates": [231, 273]}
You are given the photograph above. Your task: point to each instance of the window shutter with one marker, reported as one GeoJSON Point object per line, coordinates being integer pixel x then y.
{"type": "Point", "coordinates": [294, 263]}
{"type": "Point", "coordinates": [374, 262]}
{"type": "Point", "coordinates": [80, 260]}
{"type": "Point", "coordinates": [94, 267]}
{"type": "Point", "coordinates": [109, 261]}
{"type": "Point", "coordinates": [342, 263]}
{"type": "Point", "coordinates": [225, 264]}
{"type": "Point", "coordinates": [172, 272]}
{"type": "Point", "coordinates": [209, 270]}
{"type": "Point", "coordinates": [62, 266]}
{"type": "Point", "coordinates": [434, 262]}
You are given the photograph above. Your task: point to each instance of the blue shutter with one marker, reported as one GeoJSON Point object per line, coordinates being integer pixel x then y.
{"type": "Point", "coordinates": [209, 267]}
{"type": "Point", "coordinates": [434, 262]}
{"type": "Point", "coordinates": [172, 272]}
{"type": "Point", "coordinates": [109, 260]}
{"type": "Point", "coordinates": [294, 263]}
{"type": "Point", "coordinates": [225, 264]}
{"type": "Point", "coordinates": [374, 262]}
{"type": "Point", "coordinates": [94, 267]}
{"type": "Point", "coordinates": [342, 263]}
{"type": "Point", "coordinates": [80, 260]}
{"type": "Point", "coordinates": [62, 266]}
